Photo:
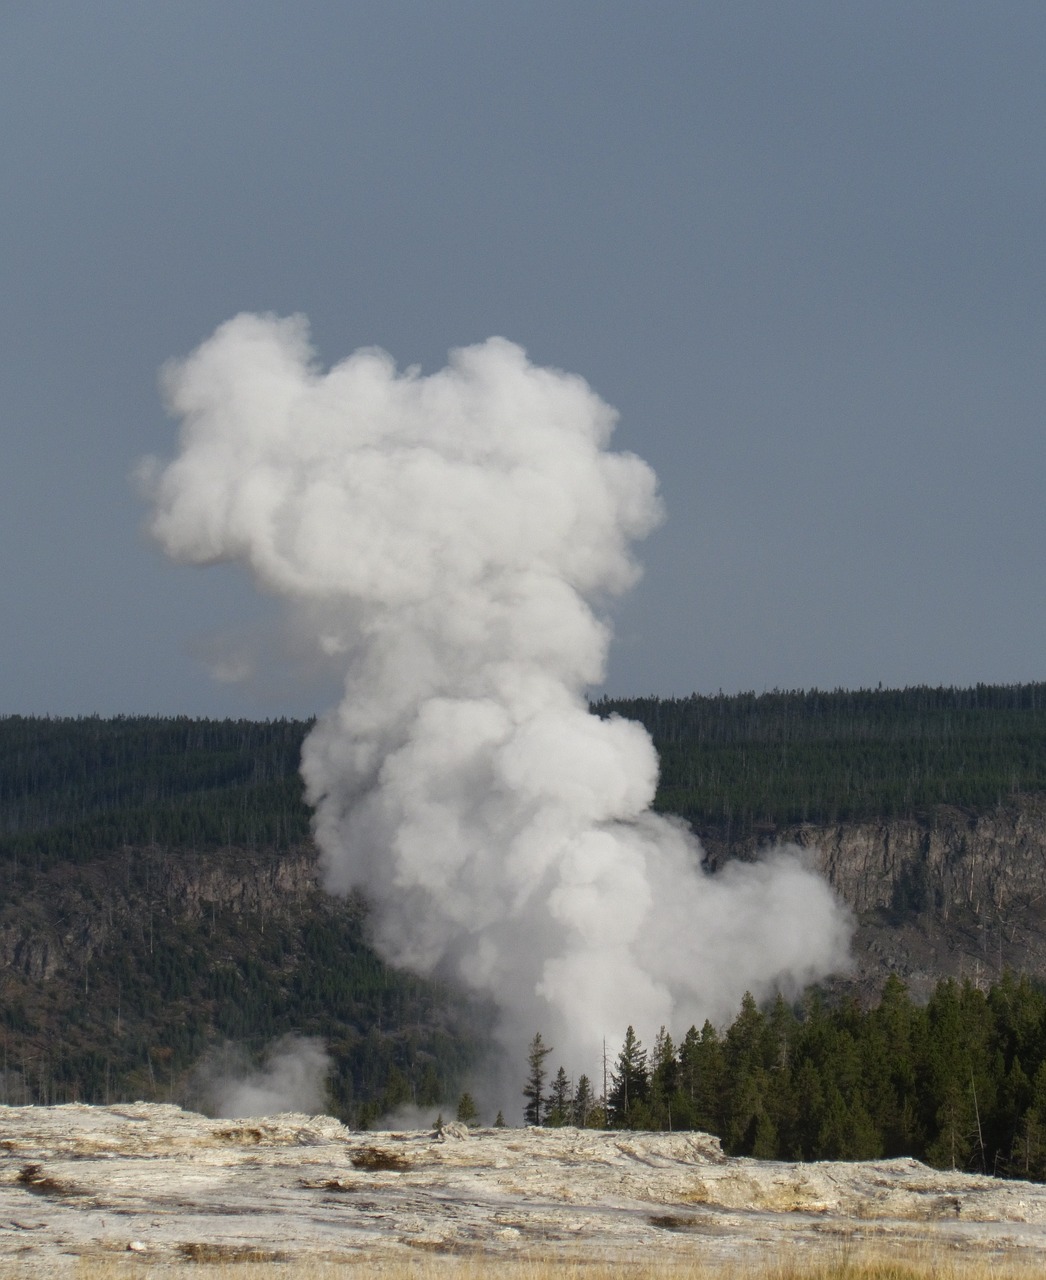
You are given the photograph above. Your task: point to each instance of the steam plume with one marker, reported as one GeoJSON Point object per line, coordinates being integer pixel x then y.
{"type": "Point", "coordinates": [450, 537]}
{"type": "Point", "coordinates": [293, 1077]}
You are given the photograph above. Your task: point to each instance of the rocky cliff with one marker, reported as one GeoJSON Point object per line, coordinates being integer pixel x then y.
{"type": "Point", "coordinates": [55, 922]}
{"type": "Point", "coordinates": [949, 893]}
{"type": "Point", "coordinates": [118, 974]}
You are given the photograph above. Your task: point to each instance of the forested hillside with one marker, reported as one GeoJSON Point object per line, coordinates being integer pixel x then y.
{"type": "Point", "coordinates": [785, 757]}
{"type": "Point", "coordinates": [71, 789]}
{"type": "Point", "coordinates": [118, 974]}
{"type": "Point", "coordinates": [158, 897]}
{"type": "Point", "coordinates": [158, 890]}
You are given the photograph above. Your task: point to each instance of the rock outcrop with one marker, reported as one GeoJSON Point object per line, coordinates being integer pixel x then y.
{"type": "Point", "coordinates": [54, 922]}
{"type": "Point", "coordinates": [950, 893]}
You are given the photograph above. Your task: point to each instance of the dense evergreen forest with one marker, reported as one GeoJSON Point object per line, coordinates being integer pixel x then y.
{"type": "Point", "coordinates": [147, 1002]}
{"type": "Point", "coordinates": [74, 789]}
{"type": "Point", "coordinates": [745, 760]}
{"type": "Point", "coordinates": [958, 1083]}
{"type": "Point", "coordinates": [71, 788]}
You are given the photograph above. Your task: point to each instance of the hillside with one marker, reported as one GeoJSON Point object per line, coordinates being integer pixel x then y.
{"type": "Point", "coordinates": [158, 892]}
{"type": "Point", "coordinates": [158, 898]}
{"type": "Point", "coordinates": [924, 807]}
{"type": "Point", "coordinates": [73, 789]}
{"type": "Point", "coordinates": [117, 974]}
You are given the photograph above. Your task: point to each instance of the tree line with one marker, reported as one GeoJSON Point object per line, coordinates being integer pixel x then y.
{"type": "Point", "coordinates": [737, 762]}
{"type": "Point", "coordinates": [74, 788]}
{"type": "Point", "coordinates": [959, 1083]}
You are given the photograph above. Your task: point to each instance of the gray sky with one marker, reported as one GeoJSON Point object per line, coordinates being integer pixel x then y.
{"type": "Point", "coordinates": [798, 246]}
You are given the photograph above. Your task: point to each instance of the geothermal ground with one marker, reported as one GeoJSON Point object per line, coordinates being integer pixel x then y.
{"type": "Point", "coordinates": [166, 1186]}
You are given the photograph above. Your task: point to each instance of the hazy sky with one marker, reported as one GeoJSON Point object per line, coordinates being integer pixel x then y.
{"type": "Point", "coordinates": [799, 246]}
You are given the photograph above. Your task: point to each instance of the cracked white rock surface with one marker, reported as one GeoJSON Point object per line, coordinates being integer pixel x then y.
{"type": "Point", "coordinates": [156, 1182]}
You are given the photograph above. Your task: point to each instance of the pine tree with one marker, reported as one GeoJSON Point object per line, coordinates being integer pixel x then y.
{"type": "Point", "coordinates": [468, 1113]}
{"type": "Point", "coordinates": [560, 1101]}
{"type": "Point", "coordinates": [534, 1091]}
{"type": "Point", "coordinates": [664, 1079]}
{"type": "Point", "coordinates": [890, 1049]}
{"type": "Point", "coordinates": [1028, 1158]}
{"type": "Point", "coordinates": [630, 1087]}
{"type": "Point", "coordinates": [499, 1121]}
{"type": "Point", "coordinates": [583, 1104]}
{"type": "Point", "coordinates": [702, 1073]}
{"type": "Point", "coordinates": [745, 1049]}
{"type": "Point", "coordinates": [953, 1086]}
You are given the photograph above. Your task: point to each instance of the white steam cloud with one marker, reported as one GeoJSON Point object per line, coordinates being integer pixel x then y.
{"type": "Point", "coordinates": [293, 1077]}
{"type": "Point", "coordinates": [449, 537]}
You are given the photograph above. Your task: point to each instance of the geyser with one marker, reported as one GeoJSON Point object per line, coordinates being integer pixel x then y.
{"type": "Point", "coordinates": [449, 538]}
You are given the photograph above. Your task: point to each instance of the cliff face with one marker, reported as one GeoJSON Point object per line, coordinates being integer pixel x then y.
{"type": "Point", "coordinates": [949, 893]}
{"type": "Point", "coordinates": [118, 975]}
{"type": "Point", "coordinates": [54, 923]}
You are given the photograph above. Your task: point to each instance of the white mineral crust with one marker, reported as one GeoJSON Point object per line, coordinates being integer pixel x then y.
{"type": "Point", "coordinates": [158, 1183]}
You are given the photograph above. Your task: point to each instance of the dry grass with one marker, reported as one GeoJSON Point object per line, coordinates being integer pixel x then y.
{"type": "Point", "coordinates": [377, 1159]}
{"type": "Point", "coordinates": [842, 1265]}
{"type": "Point", "coordinates": [33, 1178]}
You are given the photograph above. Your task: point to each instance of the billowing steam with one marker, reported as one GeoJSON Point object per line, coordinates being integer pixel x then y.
{"type": "Point", "coordinates": [449, 537]}
{"type": "Point", "coordinates": [293, 1077]}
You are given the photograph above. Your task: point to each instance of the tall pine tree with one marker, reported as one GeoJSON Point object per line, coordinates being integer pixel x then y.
{"type": "Point", "coordinates": [630, 1087]}
{"type": "Point", "coordinates": [534, 1090]}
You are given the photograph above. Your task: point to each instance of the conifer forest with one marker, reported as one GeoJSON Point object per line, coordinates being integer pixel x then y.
{"type": "Point", "coordinates": [959, 1083]}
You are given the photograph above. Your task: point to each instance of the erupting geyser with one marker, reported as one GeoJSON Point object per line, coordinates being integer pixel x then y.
{"type": "Point", "coordinates": [447, 537]}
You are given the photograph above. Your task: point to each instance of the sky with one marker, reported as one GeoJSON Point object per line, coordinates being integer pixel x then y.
{"type": "Point", "coordinates": [799, 247]}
